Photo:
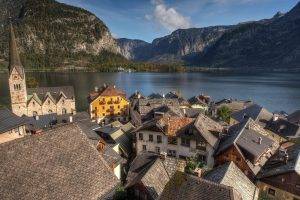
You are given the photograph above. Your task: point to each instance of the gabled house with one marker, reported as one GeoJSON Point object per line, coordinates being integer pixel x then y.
{"type": "Point", "coordinates": [11, 126]}
{"type": "Point", "coordinates": [180, 137]}
{"type": "Point", "coordinates": [148, 175]}
{"type": "Point", "coordinates": [115, 145]}
{"type": "Point", "coordinates": [248, 146]}
{"type": "Point", "coordinates": [108, 103]}
{"type": "Point", "coordinates": [258, 113]}
{"type": "Point", "coordinates": [59, 164]}
{"type": "Point", "coordinates": [280, 176]}
{"type": "Point", "coordinates": [201, 102]}
{"type": "Point", "coordinates": [230, 175]}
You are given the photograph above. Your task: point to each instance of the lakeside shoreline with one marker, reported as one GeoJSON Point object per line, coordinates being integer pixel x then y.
{"type": "Point", "coordinates": [186, 70]}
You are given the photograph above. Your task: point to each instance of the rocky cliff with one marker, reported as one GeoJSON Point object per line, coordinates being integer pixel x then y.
{"type": "Point", "coordinates": [52, 33]}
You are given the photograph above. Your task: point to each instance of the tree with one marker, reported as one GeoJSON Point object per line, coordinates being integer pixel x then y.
{"type": "Point", "coordinates": [31, 82]}
{"type": "Point", "coordinates": [224, 113]}
{"type": "Point", "coordinates": [192, 164]}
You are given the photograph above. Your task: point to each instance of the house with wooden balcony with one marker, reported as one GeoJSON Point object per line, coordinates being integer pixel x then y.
{"type": "Point", "coordinates": [180, 137]}
{"type": "Point", "coordinates": [108, 103]}
{"type": "Point", "coordinates": [248, 145]}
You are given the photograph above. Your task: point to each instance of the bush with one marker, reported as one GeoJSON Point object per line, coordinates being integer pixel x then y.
{"type": "Point", "coordinates": [224, 113]}
{"type": "Point", "coordinates": [120, 194]}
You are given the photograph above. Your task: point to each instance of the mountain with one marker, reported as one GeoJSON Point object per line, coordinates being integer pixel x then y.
{"type": "Point", "coordinates": [52, 34]}
{"type": "Point", "coordinates": [173, 47]}
{"type": "Point", "coordinates": [274, 44]}
{"type": "Point", "coordinates": [133, 49]}
{"type": "Point", "coordinates": [269, 44]}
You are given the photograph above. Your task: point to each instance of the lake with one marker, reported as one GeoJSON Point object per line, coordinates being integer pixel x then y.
{"type": "Point", "coordinates": [275, 91]}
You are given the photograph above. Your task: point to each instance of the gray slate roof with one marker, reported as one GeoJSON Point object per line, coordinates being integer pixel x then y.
{"type": "Point", "coordinates": [55, 92]}
{"type": "Point", "coordinates": [148, 168]}
{"type": "Point", "coordinates": [146, 105]}
{"type": "Point", "coordinates": [229, 174]}
{"type": "Point", "coordinates": [59, 164]}
{"type": "Point", "coordinates": [256, 112]}
{"type": "Point", "coordinates": [284, 128]}
{"type": "Point", "coordinates": [188, 187]}
{"type": "Point", "coordinates": [277, 166]}
{"type": "Point", "coordinates": [206, 126]}
{"type": "Point", "coordinates": [244, 137]}
{"type": "Point", "coordinates": [294, 117]}
{"type": "Point", "coordinates": [9, 120]}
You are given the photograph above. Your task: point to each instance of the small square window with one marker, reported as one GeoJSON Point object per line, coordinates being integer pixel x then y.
{"type": "Point", "coordinates": [144, 147]}
{"type": "Point", "coordinates": [271, 192]}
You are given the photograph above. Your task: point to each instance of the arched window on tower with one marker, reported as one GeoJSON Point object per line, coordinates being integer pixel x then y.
{"type": "Point", "coordinates": [64, 111]}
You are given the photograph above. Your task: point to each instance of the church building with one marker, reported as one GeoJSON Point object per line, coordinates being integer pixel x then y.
{"type": "Point", "coordinates": [35, 101]}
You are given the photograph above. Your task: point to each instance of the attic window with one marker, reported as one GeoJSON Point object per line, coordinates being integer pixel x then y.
{"type": "Point", "coordinates": [48, 101]}
{"type": "Point", "coordinates": [271, 192]}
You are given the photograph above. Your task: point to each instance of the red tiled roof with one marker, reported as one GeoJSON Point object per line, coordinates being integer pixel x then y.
{"type": "Point", "coordinates": [173, 124]}
{"type": "Point", "coordinates": [107, 91]}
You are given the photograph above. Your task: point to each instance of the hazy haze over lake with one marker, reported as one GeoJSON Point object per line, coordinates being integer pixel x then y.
{"type": "Point", "coordinates": [275, 91]}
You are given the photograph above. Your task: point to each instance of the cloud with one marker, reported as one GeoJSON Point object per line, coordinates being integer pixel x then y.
{"type": "Point", "coordinates": [169, 18]}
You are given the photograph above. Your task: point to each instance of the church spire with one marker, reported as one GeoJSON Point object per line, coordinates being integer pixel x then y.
{"type": "Point", "coordinates": [14, 58]}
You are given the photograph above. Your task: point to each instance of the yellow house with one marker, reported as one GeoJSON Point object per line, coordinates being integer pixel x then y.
{"type": "Point", "coordinates": [108, 102]}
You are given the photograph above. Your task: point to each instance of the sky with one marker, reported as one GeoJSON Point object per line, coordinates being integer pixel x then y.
{"type": "Point", "coordinates": [150, 19]}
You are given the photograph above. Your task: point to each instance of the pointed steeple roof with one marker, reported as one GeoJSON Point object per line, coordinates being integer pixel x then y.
{"type": "Point", "coordinates": [14, 58]}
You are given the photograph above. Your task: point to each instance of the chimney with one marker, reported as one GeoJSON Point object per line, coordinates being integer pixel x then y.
{"type": "Point", "coordinates": [37, 117]}
{"type": "Point", "coordinates": [96, 89]}
{"type": "Point", "coordinates": [259, 140]}
{"type": "Point", "coordinates": [163, 155]}
{"type": "Point", "coordinates": [198, 172]}
{"type": "Point", "coordinates": [71, 119]}
{"type": "Point", "coordinates": [139, 96]}
{"type": "Point", "coordinates": [275, 117]}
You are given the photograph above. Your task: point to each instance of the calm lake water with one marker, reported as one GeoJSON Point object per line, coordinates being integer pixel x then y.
{"type": "Point", "coordinates": [275, 91]}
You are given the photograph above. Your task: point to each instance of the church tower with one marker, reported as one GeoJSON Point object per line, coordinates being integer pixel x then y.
{"type": "Point", "coordinates": [16, 81]}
